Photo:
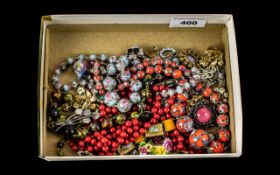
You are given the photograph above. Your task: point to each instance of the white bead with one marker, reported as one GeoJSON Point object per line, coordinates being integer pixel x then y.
{"type": "Point", "coordinates": [103, 57]}
{"type": "Point", "coordinates": [179, 89]}
{"type": "Point", "coordinates": [92, 57]}
{"type": "Point", "coordinates": [112, 59]}
{"type": "Point", "coordinates": [57, 71]}
{"type": "Point", "coordinates": [193, 83]}
{"type": "Point", "coordinates": [164, 93]}
{"type": "Point", "coordinates": [196, 77]}
{"type": "Point", "coordinates": [66, 87]}
{"type": "Point", "coordinates": [83, 82]}
{"type": "Point", "coordinates": [58, 86]}
{"type": "Point", "coordinates": [70, 60]}
{"type": "Point", "coordinates": [86, 120]}
{"type": "Point", "coordinates": [186, 73]}
{"type": "Point", "coordinates": [186, 86]}
{"type": "Point", "coordinates": [87, 112]}
{"type": "Point", "coordinates": [171, 92]}
{"type": "Point", "coordinates": [194, 70]}
{"type": "Point", "coordinates": [81, 56]}
{"type": "Point", "coordinates": [78, 111]}
{"type": "Point", "coordinates": [55, 78]}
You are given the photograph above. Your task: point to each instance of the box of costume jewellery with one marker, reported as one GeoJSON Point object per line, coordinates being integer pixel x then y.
{"type": "Point", "coordinates": [138, 87]}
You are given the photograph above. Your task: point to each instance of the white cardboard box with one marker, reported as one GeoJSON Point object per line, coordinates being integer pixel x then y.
{"type": "Point", "coordinates": [64, 35]}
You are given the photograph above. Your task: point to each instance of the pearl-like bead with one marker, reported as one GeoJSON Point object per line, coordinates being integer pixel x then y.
{"type": "Point", "coordinates": [179, 89]}
{"type": "Point", "coordinates": [66, 88]}
{"type": "Point", "coordinates": [194, 70]}
{"type": "Point", "coordinates": [186, 86]}
{"type": "Point", "coordinates": [103, 57]}
{"type": "Point", "coordinates": [55, 78]}
{"type": "Point", "coordinates": [92, 57]}
{"type": "Point", "coordinates": [81, 56]}
{"type": "Point", "coordinates": [57, 71]}
{"type": "Point", "coordinates": [70, 60]}
{"type": "Point", "coordinates": [112, 59]}
{"type": "Point", "coordinates": [192, 82]}
{"type": "Point", "coordinates": [83, 82]}
{"type": "Point", "coordinates": [58, 85]}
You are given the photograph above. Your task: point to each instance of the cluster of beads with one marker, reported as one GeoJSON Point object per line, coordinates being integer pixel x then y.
{"type": "Point", "coordinates": [153, 102]}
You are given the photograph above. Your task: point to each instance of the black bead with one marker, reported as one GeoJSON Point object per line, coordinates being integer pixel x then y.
{"type": "Point", "coordinates": [147, 115]}
{"type": "Point", "coordinates": [60, 144]}
{"type": "Point", "coordinates": [69, 132]}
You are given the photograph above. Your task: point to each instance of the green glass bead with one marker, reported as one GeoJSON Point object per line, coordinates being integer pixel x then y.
{"type": "Point", "coordinates": [134, 115]}
{"type": "Point", "coordinates": [69, 98]}
{"type": "Point", "coordinates": [120, 119]}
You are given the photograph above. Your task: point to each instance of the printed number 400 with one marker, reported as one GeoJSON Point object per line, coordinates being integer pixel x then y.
{"type": "Point", "coordinates": [188, 22]}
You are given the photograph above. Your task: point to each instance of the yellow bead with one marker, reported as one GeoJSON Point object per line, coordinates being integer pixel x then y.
{"type": "Point", "coordinates": [169, 125]}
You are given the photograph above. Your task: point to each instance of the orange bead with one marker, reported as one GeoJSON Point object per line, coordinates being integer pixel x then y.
{"type": "Point", "coordinates": [177, 110]}
{"type": "Point", "coordinates": [182, 97]}
{"type": "Point", "coordinates": [139, 139]}
{"type": "Point", "coordinates": [191, 140]}
{"type": "Point", "coordinates": [177, 74]}
{"type": "Point", "coordinates": [199, 132]}
{"type": "Point", "coordinates": [207, 92]}
{"type": "Point", "coordinates": [199, 139]}
{"type": "Point", "coordinates": [199, 143]}
{"type": "Point", "coordinates": [158, 69]}
{"type": "Point", "coordinates": [168, 71]}
{"type": "Point", "coordinates": [150, 70]}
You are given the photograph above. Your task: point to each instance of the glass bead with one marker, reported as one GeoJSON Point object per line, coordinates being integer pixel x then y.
{"type": "Point", "coordinates": [111, 99]}
{"type": "Point", "coordinates": [112, 59]}
{"type": "Point", "coordinates": [78, 111]}
{"type": "Point", "coordinates": [70, 60]}
{"type": "Point", "coordinates": [124, 59]}
{"type": "Point", "coordinates": [87, 112]}
{"type": "Point", "coordinates": [92, 57]}
{"type": "Point", "coordinates": [124, 105]}
{"type": "Point", "coordinates": [57, 71]}
{"type": "Point", "coordinates": [111, 69]}
{"type": "Point", "coordinates": [199, 139]}
{"type": "Point", "coordinates": [66, 88]}
{"type": "Point", "coordinates": [185, 124]}
{"type": "Point", "coordinates": [109, 83]}
{"type": "Point", "coordinates": [103, 57]}
{"type": "Point", "coordinates": [135, 97]}
{"type": "Point", "coordinates": [125, 76]}
{"type": "Point", "coordinates": [136, 85]}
